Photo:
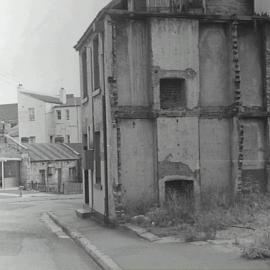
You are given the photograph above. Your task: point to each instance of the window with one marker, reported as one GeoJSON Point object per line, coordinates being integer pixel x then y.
{"type": "Point", "coordinates": [31, 112]}
{"type": "Point", "coordinates": [97, 157]}
{"type": "Point", "coordinates": [58, 114]}
{"type": "Point", "coordinates": [32, 139]}
{"type": "Point", "coordinates": [84, 74]}
{"type": "Point", "coordinates": [59, 139]}
{"type": "Point", "coordinates": [172, 93]}
{"type": "Point", "coordinates": [96, 63]}
{"type": "Point", "coordinates": [67, 114]}
{"type": "Point", "coordinates": [72, 174]}
{"type": "Point", "coordinates": [24, 139]}
{"type": "Point", "coordinates": [51, 139]}
{"type": "Point", "coordinates": [68, 138]}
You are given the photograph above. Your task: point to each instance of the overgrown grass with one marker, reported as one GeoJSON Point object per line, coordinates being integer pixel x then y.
{"type": "Point", "coordinates": [260, 249]}
{"type": "Point", "coordinates": [214, 214]}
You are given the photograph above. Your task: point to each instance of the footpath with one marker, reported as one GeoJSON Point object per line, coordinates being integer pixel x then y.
{"type": "Point", "coordinates": [121, 249]}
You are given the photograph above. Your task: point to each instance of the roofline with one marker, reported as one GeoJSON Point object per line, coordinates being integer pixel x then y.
{"type": "Point", "coordinates": [10, 159]}
{"type": "Point", "coordinates": [103, 12]}
{"type": "Point", "coordinates": [109, 10]}
{"type": "Point", "coordinates": [16, 142]}
{"type": "Point", "coordinates": [71, 149]}
{"type": "Point", "coordinates": [40, 94]}
{"type": "Point", "coordinates": [60, 106]}
{"type": "Point", "coordinates": [50, 160]}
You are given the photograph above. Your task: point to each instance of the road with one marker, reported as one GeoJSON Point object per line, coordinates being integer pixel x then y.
{"type": "Point", "coordinates": [29, 242]}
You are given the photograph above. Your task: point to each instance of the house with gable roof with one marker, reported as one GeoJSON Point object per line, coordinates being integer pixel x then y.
{"type": "Point", "coordinates": [48, 119]}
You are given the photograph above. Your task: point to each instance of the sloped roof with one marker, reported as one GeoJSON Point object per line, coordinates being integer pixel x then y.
{"type": "Point", "coordinates": [50, 152]}
{"type": "Point", "coordinates": [44, 98]}
{"type": "Point", "coordinates": [114, 4]}
{"type": "Point", "coordinates": [9, 112]}
{"type": "Point", "coordinates": [14, 131]}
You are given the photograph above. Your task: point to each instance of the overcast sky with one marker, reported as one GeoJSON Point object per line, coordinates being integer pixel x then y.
{"type": "Point", "coordinates": [36, 44]}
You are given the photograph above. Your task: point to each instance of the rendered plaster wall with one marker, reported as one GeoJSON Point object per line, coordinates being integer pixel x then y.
{"type": "Point", "coordinates": [52, 179]}
{"type": "Point", "coordinates": [215, 155]}
{"type": "Point", "coordinates": [215, 65]}
{"type": "Point", "coordinates": [250, 53]}
{"type": "Point", "coordinates": [178, 149]}
{"type": "Point", "coordinates": [131, 67]}
{"type": "Point", "coordinates": [254, 154]}
{"type": "Point", "coordinates": [137, 162]}
{"type": "Point", "coordinates": [99, 189]}
{"type": "Point", "coordinates": [175, 54]}
{"type": "Point", "coordinates": [230, 7]}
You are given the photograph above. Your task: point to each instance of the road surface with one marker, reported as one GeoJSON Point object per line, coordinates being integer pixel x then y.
{"type": "Point", "coordinates": [28, 241]}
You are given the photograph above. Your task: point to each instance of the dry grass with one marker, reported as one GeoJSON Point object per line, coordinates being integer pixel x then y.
{"type": "Point", "coordinates": [259, 249]}
{"type": "Point", "coordinates": [214, 215]}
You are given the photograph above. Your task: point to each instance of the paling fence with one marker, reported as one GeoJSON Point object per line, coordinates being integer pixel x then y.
{"type": "Point", "coordinates": [65, 188]}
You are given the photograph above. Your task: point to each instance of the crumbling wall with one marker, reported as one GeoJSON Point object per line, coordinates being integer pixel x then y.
{"type": "Point", "coordinates": [137, 162]}
{"type": "Point", "coordinates": [215, 65]}
{"type": "Point", "coordinates": [250, 56]}
{"type": "Point", "coordinates": [230, 7]}
{"type": "Point", "coordinates": [132, 58]}
{"type": "Point", "coordinates": [178, 151]}
{"type": "Point", "coordinates": [254, 152]}
{"type": "Point", "coordinates": [215, 155]}
{"type": "Point", "coordinates": [175, 54]}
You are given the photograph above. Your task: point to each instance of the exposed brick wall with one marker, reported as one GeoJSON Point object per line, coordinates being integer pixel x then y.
{"type": "Point", "coordinates": [240, 7]}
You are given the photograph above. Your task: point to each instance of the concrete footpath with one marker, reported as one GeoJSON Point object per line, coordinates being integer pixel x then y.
{"type": "Point", "coordinates": [125, 250]}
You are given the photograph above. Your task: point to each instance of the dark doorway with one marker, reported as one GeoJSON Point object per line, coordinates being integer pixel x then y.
{"type": "Point", "coordinates": [59, 173]}
{"type": "Point", "coordinates": [1, 180]}
{"type": "Point", "coordinates": [86, 187]}
{"type": "Point", "coordinates": [179, 190]}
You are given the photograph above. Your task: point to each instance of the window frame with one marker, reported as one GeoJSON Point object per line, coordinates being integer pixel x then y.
{"type": "Point", "coordinates": [58, 115]}
{"type": "Point", "coordinates": [31, 114]}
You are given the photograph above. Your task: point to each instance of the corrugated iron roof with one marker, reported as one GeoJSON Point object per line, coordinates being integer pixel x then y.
{"type": "Point", "coordinates": [50, 152]}
{"type": "Point", "coordinates": [47, 99]}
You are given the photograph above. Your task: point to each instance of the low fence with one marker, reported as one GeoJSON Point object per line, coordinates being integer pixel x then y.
{"type": "Point", "coordinates": [65, 188]}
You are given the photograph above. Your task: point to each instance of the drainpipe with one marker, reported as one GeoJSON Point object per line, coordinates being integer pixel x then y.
{"type": "Point", "coordinates": [3, 175]}
{"type": "Point", "coordinates": [106, 217]}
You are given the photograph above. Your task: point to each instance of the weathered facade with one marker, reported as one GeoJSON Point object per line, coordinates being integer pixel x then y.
{"type": "Point", "coordinates": [44, 167]}
{"type": "Point", "coordinates": [176, 97]}
{"type": "Point", "coordinates": [47, 119]}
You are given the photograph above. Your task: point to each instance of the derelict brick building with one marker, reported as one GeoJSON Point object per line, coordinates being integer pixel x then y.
{"type": "Point", "coordinates": [176, 97]}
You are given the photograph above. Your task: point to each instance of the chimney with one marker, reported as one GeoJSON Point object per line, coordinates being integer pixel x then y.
{"type": "Point", "coordinates": [20, 87]}
{"type": "Point", "coordinates": [62, 95]}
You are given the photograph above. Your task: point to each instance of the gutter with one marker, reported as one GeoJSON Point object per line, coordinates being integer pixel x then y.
{"type": "Point", "coordinates": [71, 149]}
{"type": "Point", "coordinates": [16, 142]}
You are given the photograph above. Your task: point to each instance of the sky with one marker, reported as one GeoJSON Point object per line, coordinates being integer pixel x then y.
{"type": "Point", "coordinates": [36, 44]}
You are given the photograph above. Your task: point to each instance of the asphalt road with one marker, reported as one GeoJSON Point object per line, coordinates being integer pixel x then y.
{"type": "Point", "coordinates": [29, 242]}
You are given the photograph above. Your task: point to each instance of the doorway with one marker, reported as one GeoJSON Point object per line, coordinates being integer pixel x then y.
{"type": "Point", "coordinates": [59, 173]}
{"type": "Point", "coordinates": [86, 186]}
{"type": "Point", "coordinates": [1, 180]}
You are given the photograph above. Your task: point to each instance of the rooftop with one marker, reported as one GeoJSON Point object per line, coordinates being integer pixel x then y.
{"type": "Point", "coordinates": [50, 152]}
{"type": "Point", "coordinates": [45, 98]}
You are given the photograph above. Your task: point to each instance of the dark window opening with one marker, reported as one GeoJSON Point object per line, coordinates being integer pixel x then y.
{"type": "Point", "coordinates": [97, 157]}
{"type": "Point", "coordinates": [85, 139]}
{"type": "Point", "coordinates": [96, 63]}
{"type": "Point", "coordinates": [179, 191]}
{"type": "Point", "coordinates": [25, 140]}
{"type": "Point", "coordinates": [58, 114]}
{"type": "Point", "coordinates": [84, 74]}
{"type": "Point", "coordinates": [59, 139]}
{"type": "Point", "coordinates": [172, 93]}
